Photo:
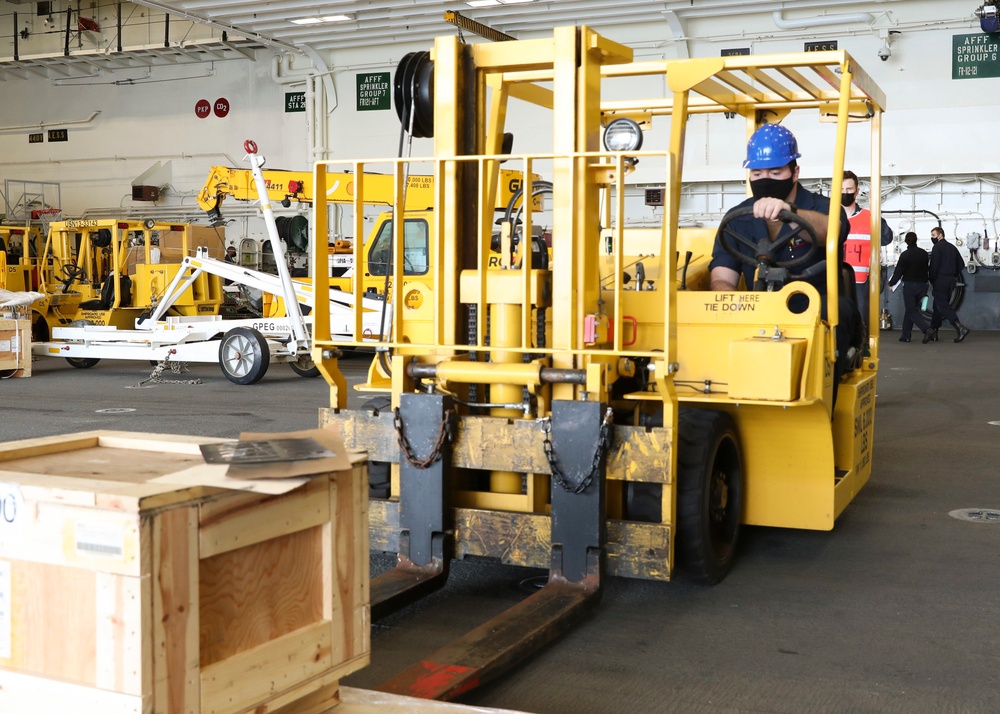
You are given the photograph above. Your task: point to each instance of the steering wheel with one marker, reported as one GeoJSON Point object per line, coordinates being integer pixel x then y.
{"type": "Point", "coordinates": [73, 272]}
{"type": "Point", "coordinates": [764, 250]}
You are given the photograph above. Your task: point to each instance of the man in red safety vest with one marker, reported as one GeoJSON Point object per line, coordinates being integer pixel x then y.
{"type": "Point", "coordinates": [857, 250]}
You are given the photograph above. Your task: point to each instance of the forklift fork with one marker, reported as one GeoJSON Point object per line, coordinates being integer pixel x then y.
{"type": "Point", "coordinates": [423, 426]}
{"type": "Point", "coordinates": [579, 436]}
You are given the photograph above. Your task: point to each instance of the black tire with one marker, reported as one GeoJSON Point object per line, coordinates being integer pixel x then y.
{"type": "Point", "coordinates": [39, 329]}
{"type": "Point", "coordinates": [304, 367]}
{"type": "Point", "coordinates": [83, 362]}
{"type": "Point", "coordinates": [244, 355]}
{"type": "Point", "coordinates": [710, 493]}
{"type": "Point", "coordinates": [379, 472]}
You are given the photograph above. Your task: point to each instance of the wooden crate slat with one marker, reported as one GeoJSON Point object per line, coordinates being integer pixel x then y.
{"type": "Point", "coordinates": [176, 620]}
{"type": "Point", "coordinates": [240, 520]}
{"type": "Point", "coordinates": [119, 640]}
{"type": "Point", "coordinates": [265, 670]}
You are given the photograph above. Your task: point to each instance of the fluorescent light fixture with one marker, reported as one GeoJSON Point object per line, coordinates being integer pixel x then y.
{"type": "Point", "coordinates": [320, 20]}
{"type": "Point", "coordinates": [494, 3]}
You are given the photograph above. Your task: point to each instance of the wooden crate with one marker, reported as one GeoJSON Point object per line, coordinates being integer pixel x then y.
{"type": "Point", "coordinates": [119, 594]}
{"type": "Point", "coordinates": [15, 348]}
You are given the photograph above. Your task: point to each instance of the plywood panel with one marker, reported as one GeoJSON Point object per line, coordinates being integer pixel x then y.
{"type": "Point", "coordinates": [256, 594]}
{"type": "Point", "coordinates": [48, 635]}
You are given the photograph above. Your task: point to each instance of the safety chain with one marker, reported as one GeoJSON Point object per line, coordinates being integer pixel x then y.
{"type": "Point", "coordinates": [175, 368]}
{"type": "Point", "coordinates": [603, 442]}
{"type": "Point", "coordinates": [446, 432]}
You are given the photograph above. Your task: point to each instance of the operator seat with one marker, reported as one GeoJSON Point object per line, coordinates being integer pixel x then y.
{"type": "Point", "coordinates": [107, 297]}
{"type": "Point", "coordinates": [855, 336]}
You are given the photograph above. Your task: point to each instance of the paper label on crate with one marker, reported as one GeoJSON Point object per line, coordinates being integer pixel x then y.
{"type": "Point", "coordinates": [102, 540]}
{"type": "Point", "coordinates": [15, 343]}
{"type": "Point", "coordinates": [11, 504]}
{"type": "Point", "coordinates": [5, 346]}
{"type": "Point", "coordinates": [6, 614]}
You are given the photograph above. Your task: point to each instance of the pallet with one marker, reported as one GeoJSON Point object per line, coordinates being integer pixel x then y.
{"type": "Point", "coordinates": [122, 595]}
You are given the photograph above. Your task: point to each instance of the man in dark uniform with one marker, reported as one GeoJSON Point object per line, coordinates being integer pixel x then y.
{"type": "Point", "coordinates": [911, 268]}
{"type": "Point", "coordinates": [772, 152]}
{"type": "Point", "coordinates": [946, 268]}
{"type": "Point", "coordinates": [774, 172]}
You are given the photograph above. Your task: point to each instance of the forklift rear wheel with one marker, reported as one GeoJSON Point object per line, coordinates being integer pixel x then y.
{"type": "Point", "coordinates": [39, 329]}
{"type": "Point", "coordinates": [710, 493]}
{"type": "Point", "coordinates": [83, 362]}
{"type": "Point", "coordinates": [304, 367]}
{"type": "Point", "coordinates": [244, 355]}
{"type": "Point", "coordinates": [379, 472]}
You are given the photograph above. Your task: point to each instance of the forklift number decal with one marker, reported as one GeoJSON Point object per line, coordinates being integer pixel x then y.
{"type": "Point", "coordinates": [10, 503]}
{"type": "Point", "coordinates": [733, 302]}
{"type": "Point", "coordinates": [81, 224]}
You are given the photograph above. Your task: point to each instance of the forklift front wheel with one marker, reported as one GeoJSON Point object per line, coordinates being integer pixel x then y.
{"type": "Point", "coordinates": [304, 367]}
{"type": "Point", "coordinates": [244, 355]}
{"type": "Point", "coordinates": [710, 493]}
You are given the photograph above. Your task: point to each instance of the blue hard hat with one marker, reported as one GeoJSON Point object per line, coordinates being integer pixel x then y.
{"type": "Point", "coordinates": [771, 146]}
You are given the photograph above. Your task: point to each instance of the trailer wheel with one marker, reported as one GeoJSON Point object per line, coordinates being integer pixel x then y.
{"type": "Point", "coordinates": [83, 362]}
{"type": "Point", "coordinates": [244, 355]}
{"type": "Point", "coordinates": [304, 367]}
{"type": "Point", "coordinates": [379, 472]}
{"type": "Point", "coordinates": [710, 493]}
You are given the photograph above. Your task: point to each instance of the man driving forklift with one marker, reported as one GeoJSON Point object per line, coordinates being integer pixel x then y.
{"type": "Point", "coordinates": [778, 234]}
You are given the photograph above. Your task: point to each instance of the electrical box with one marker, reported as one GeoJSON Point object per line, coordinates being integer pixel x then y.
{"type": "Point", "coordinates": [779, 382]}
{"type": "Point", "coordinates": [145, 193]}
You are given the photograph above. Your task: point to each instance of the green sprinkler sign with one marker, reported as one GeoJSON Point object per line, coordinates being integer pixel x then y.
{"type": "Point", "coordinates": [373, 91]}
{"type": "Point", "coordinates": [975, 56]}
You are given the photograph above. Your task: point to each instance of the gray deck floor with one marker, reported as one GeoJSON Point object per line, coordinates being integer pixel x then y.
{"type": "Point", "coordinates": [896, 610]}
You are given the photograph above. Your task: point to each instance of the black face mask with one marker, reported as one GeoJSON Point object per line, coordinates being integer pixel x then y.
{"type": "Point", "coordinates": [934, 239]}
{"type": "Point", "coordinates": [772, 188]}
{"type": "Point", "coordinates": [846, 199]}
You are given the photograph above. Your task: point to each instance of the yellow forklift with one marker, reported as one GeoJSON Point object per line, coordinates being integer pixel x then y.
{"type": "Point", "coordinates": [108, 271]}
{"type": "Point", "coordinates": [18, 245]}
{"type": "Point", "coordinates": [589, 417]}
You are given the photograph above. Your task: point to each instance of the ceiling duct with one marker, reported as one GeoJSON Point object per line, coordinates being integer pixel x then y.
{"type": "Point", "coordinates": [822, 20]}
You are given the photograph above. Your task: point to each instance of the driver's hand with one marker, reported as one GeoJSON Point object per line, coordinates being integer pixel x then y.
{"type": "Point", "coordinates": [769, 208]}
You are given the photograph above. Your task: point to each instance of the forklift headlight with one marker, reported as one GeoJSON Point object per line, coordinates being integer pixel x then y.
{"type": "Point", "coordinates": [623, 135]}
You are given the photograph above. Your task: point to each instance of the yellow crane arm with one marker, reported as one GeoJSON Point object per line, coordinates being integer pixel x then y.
{"type": "Point", "coordinates": [288, 186]}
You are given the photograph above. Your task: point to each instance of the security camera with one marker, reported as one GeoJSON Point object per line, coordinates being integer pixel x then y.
{"type": "Point", "coordinates": [884, 53]}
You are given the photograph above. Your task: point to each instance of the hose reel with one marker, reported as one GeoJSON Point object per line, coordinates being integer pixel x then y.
{"type": "Point", "coordinates": [413, 94]}
{"type": "Point", "coordinates": [294, 230]}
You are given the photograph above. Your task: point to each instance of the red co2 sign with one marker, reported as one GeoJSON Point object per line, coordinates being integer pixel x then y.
{"type": "Point", "coordinates": [221, 107]}
{"type": "Point", "coordinates": [202, 109]}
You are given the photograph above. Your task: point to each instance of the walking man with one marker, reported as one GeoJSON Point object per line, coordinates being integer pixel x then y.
{"type": "Point", "coordinates": [946, 268]}
{"type": "Point", "coordinates": [911, 268]}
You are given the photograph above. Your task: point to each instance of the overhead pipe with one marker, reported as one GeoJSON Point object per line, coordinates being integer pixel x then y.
{"type": "Point", "coordinates": [43, 124]}
{"type": "Point", "coordinates": [822, 20]}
